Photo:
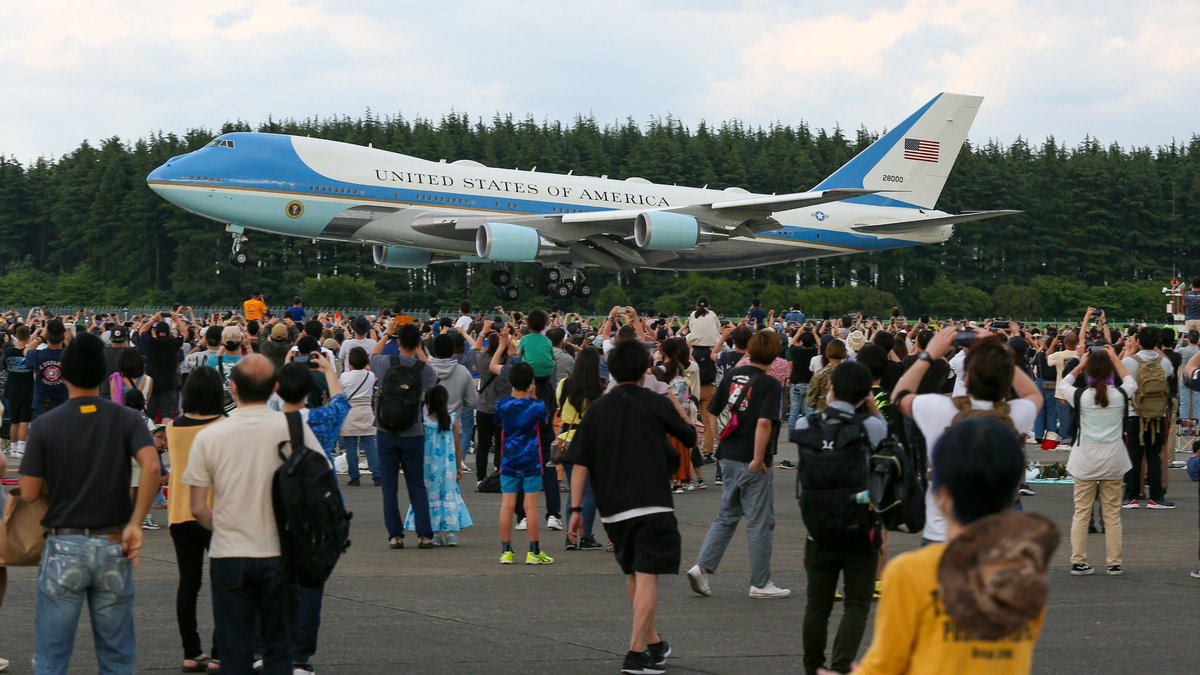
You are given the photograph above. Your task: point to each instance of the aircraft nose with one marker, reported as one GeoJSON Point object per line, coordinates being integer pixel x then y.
{"type": "Point", "coordinates": [164, 174]}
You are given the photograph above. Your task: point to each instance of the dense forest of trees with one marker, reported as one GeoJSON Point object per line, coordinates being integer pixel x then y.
{"type": "Point", "coordinates": [1102, 225]}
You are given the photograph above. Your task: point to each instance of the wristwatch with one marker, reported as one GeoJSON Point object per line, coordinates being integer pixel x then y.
{"type": "Point", "coordinates": [575, 509]}
{"type": "Point", "coordinates": [924, 356]}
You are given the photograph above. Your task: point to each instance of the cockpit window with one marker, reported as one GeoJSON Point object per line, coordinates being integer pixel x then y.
{"type": "Point", "coordinates": [220, 143]}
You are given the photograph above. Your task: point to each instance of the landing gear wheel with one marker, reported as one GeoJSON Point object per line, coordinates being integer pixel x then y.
{"type": "Point", "coordinates": [552, 275]}
{"type": "Point", "coordinates": [570, 284]}
{"type": "Point", "coordinates": [239, 258]}
{"type": "Point", "coordinates": [511, 293]}
{"type": "Point", "coordinates": [502, 277]}
{"type": "Point", "coordinates": [561, 291]}
{"type": "Point", "coordinates": [583, 290]}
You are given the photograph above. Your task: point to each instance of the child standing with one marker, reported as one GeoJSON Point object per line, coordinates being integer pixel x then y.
{"type": "Point", "coordinates": [537, 350]}
{"type": "Point", "coordinates": [520, 418]}
{"type": "Point", "coordinates": [443, 459]}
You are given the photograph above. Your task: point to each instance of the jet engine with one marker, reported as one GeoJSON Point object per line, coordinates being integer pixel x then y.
{"type": "Point", "coordinates": [403, 258]}
{"type": "Point", "coordinates": [664, 231]}
{"type": "Point", "coordinates": [505, 242]}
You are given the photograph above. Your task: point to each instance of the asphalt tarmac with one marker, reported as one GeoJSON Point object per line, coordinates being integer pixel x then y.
{"type": "Point", "coordinates": [458, 611]}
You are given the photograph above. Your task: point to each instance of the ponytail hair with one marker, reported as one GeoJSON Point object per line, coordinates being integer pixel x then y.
{"type": "Point", "coordinates": [1098, 370]}
{"type": "Point", "coordinates": [436, 401]}
{"type": "Point", "coordinates": [701, 306]}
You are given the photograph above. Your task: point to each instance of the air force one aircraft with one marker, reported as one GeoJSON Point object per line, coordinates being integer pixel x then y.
{"type": "Point", "coordinates": [416, 212]}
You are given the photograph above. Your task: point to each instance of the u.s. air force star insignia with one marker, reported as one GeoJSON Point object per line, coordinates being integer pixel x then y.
{"type": "Point", "coordinates": [819, 215]}
{"type": "Point", "coordinates": [294, 210]}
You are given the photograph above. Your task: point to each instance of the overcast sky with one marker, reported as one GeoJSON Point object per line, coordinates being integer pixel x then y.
{"type": "Point", "coordinates": [1124, 72]}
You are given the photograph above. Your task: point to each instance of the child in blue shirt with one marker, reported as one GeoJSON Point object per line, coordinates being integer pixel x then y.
{"type": "Point", "coordinates": [520, 418]}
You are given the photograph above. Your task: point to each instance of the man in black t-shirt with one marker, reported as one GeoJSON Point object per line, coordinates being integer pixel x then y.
{"type": "Point", "coordinates": [48, 388]}
{"type": "Point", "coordinates": [119, 336]}
{"type": "Point", "coordinates": [18, 391]}
{"type": "Point", "coordinates": [621, 446]}
{"type": "Point", "coordinates": [745, 455]}
{"type": "Point", "coordinates": [162, 350]}
{"type": "Point", "coordinates": [78, 456]}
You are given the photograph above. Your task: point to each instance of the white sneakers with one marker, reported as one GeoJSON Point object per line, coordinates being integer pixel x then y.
{"type": "Point", "coordinates": [553, 523]}
{"type": "Point", "coordinates": [699, 581]}
{"type": "Point", "coordinates": [769, 591]}
{"type": "Point", "coordinates": [521, 525]}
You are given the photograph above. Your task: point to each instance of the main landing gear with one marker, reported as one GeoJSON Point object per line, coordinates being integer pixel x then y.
{"type": "Point", "coordinates": [237, 256]}
{"type": "Point", "coordinates": [555, 282]}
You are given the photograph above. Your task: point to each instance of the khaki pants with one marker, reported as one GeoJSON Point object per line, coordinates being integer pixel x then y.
{"type": "Point", "coordinates": [1110, 507]}
{"type": "Point", "coordinates": [1191, 324]}
{"type": "Point", "coordinates": [710, 421]}
{"type": "Point", "coordinates": [1168, 453]}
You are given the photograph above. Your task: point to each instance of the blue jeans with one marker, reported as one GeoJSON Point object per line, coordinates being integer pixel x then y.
{"type": "Point", "coordinates": [250, 592]}
{"type": "Point", "coordinates": [351, 445]}
{"type": "Point", "coordinates": [75, 567]}
{"type": "Point", "coordinates": [1047, 418]}
{"type": "Point", "coordinates": [752, 495]}
{"type": "Point", "coordinates": [798, 407]}
{"type": "Point", "coordinates": [1189, 403]}
{"type": "Point", "coordinates": [1066, 415]}
{"type": "Point", "coordinates": [306, 622]}
{"type": "Point", "coordinates": [589, 501]}
{"type": "Point", "coordinates": [407, 452]}
{"type": "Point", "coordinates": [467, 421]}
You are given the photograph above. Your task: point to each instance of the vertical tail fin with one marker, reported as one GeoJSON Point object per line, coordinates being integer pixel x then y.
{"type": "Point", "coordinates": [914, 158]}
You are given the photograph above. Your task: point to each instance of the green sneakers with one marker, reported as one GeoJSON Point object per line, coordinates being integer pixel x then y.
{"type": "Point", "coordinates": [538, 559]}
{"type": "Point", "coordinates": [507, 558]}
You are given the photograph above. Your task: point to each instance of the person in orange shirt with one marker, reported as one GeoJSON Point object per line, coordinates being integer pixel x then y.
{"type": "Point", "coordinates": [976, 603]}
{"type": "Point", "coordinates": [254, 309]}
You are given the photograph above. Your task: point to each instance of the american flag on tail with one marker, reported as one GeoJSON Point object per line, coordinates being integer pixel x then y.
{"type": "Point", "coordinates": [921, 151]}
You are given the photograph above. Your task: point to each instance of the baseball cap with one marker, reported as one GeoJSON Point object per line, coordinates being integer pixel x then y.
{"type": "Point", "coordinates": [279, 332]}
{"type": "Point", "coordinates": [231, 334]}
{"type": "Point", "coordinates": [120, 334]}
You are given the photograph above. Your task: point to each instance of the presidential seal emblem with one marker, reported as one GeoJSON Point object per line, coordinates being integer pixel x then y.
{"type": "Point", "coordinates": [294, 210]}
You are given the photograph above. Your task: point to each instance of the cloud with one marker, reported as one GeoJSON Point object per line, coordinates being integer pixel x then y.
{"type": "Point", "coordinates": [76, 70]}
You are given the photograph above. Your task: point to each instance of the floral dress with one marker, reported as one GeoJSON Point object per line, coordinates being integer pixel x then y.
{"type": "Point", "coordinates": [447, 511]}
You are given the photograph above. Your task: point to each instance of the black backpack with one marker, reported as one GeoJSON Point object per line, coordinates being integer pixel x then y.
{"type": "Point", "coordinates": [314, 526]}
{"type": "Point", "coordinates": [897, 487]}
{"type": "Point", "coordinates": [831, 479]}
{"type": "Point", "coordinates": [398, 404]}
{"type": "Point", "coordinates": [708, 368]}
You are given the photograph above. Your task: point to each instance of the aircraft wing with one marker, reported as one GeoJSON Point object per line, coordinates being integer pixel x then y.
{"type": "Point", "coordinates": [732, 217]}
{"type": "Point", "coordinates": [906, 226]}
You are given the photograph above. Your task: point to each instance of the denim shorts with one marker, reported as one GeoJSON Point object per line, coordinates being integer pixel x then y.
{"type": "Point", "coordinates": [511, 485]}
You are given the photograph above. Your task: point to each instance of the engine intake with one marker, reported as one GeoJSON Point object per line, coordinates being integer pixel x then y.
{"type": "Point", "coordinates": [400, 257]}
{"type": "Point", "coordinates": [663, 231]}
{"type": "Point", "coordinates": [505, 242]}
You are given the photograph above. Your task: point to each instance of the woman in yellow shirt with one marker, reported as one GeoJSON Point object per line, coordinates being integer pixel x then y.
{"type": "Point", "coordinates": [203, 406]}
{"type": "Point", "coordinates": [573, 396]}
{"type": "Point", "coordinates": [928, 620]}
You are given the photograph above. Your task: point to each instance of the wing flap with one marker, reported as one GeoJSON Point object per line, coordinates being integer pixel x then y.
{"type": "Point", "coordinates": [907, 226]}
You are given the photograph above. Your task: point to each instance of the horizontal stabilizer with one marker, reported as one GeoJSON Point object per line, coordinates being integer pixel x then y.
{"type": "Point", "coordinates": [797, 200]}
{"type": "Point", "coordinates": [907, 226]}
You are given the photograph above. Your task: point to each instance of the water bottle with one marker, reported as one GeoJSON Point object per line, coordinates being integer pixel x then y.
{"type": "Point", "coordinates": [863, 497]}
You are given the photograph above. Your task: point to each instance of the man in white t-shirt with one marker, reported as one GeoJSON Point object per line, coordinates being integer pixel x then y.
{"type": "Point", "coordinates": [464, 321]}
{"type": "Point", "coordinates": [990, 374]}
{"type": "Point", "coordinates": [236, 460]}
{"type": "Point", "coordinates": [362, 338]}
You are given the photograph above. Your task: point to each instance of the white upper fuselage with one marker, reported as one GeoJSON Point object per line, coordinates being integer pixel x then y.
{"type": "Point", "coordinates": [256, 181]}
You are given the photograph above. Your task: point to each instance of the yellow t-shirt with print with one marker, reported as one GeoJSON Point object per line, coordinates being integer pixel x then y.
{"type": "Point", "coordinates": [914, 635]}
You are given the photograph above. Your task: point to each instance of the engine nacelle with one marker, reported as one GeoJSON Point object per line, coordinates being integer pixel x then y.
{"type": "Point", "coordinates": [663, 231]}
{"type": "Point", "coordinates": [505, 242]}
{"type": "Point", "coordinates": [400, 257]}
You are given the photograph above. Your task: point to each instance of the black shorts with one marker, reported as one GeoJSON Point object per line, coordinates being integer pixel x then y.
{"type": "Point", "coordinates": [647, 544]}
{"type": "Point", "coordinates": [20, 410]}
